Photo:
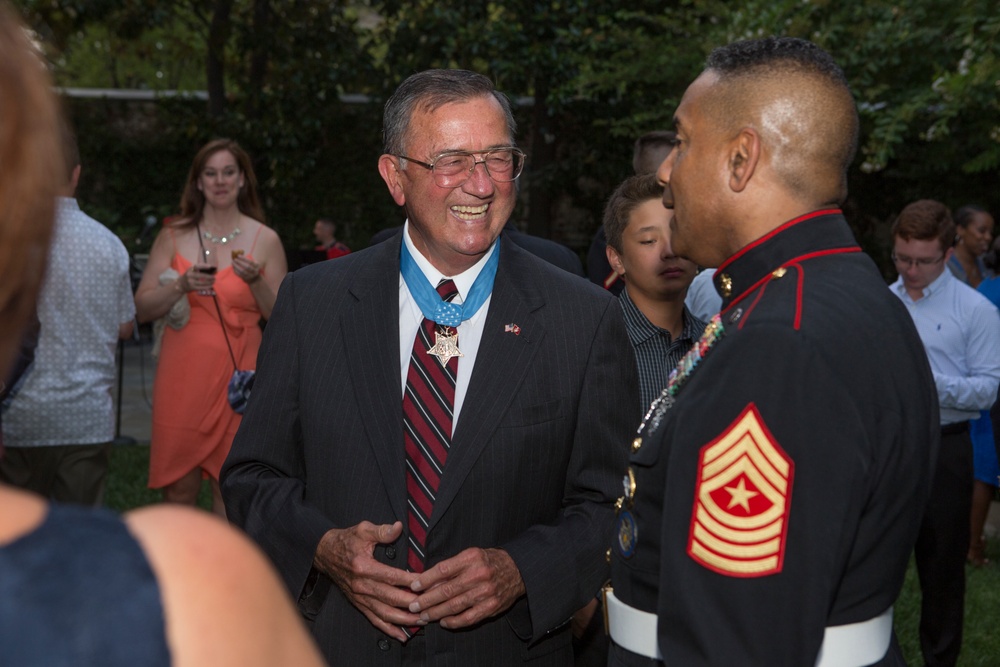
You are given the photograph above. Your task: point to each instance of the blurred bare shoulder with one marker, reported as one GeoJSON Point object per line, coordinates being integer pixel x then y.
{"type": "Point", "coordinates": [222, 601]}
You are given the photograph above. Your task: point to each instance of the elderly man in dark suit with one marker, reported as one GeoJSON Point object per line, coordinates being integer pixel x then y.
{"type": "Point", "coordinates": [433, 470]}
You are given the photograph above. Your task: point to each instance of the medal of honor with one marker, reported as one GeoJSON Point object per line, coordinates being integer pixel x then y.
{"type": "Point", "coordinates": [446, 314]}
{"type": "Point", "coordinates": [445, 345]}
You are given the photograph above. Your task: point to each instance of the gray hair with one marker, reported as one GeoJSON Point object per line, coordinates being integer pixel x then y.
{"type": "Point", "coordinates": [430, 90]}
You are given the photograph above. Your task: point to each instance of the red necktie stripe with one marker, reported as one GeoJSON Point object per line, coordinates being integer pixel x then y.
{"type": "Point", "coordinates": [427, 419]}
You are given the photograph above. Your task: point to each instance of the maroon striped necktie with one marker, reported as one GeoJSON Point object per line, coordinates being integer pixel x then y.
{"type": "Point", "coordinates": [427, 420]}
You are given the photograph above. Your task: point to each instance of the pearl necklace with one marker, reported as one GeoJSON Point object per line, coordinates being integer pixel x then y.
{"type": "Point", "coordinates": [221, 239]}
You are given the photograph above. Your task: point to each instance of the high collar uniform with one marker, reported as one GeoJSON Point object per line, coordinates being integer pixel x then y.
{"type": "Point", "coordinates": [782, 491]}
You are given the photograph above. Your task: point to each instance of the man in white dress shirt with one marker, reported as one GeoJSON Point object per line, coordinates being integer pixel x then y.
{"type": "Point", "coordinates": [960, 330]}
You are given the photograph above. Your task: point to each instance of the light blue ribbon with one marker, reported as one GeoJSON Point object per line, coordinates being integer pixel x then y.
{"type": "Point", "coordinates": [430, 302]}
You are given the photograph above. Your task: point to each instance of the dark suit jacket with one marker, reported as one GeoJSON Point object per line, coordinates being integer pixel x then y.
{"type": "Point", "coordinates": [535, 463]}
{"type": "Point", "coordinates": [599, 268]}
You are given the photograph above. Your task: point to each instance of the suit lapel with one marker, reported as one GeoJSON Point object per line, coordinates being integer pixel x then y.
{"type": "Point", "coordinates": [502, 362]}
{"type": "Point", "coordinates": [370, 330]}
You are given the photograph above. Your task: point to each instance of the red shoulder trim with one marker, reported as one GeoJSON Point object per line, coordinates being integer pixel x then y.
{"type": "Point", "coordinates": [794, 262]}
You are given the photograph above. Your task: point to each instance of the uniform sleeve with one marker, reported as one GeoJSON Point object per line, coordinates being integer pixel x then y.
{"type": "Point", "coordinates": [768, 472]}
{"type": "Point", "coordinates": [263, 478]}
{"type": "Point", "coordinates": [977, 390]}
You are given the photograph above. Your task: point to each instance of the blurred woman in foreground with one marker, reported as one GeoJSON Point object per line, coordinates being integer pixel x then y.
{"type": "Point", "coordinates": [161, 586]}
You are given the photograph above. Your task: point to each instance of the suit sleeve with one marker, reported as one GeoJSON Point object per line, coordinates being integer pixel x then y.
{"type": "Point", "coordinates": [263, 479]}
{"type": "Point", "coordinates": [564, 565]}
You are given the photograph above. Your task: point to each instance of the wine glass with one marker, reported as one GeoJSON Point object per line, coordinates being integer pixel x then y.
{"type": "Point", "coordinates": [209, 264]}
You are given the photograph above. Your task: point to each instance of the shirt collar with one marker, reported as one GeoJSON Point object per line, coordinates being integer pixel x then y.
{"type": "Point", "coordinates": [640, 329]}
{"type": "Point", "coordinates": [939, 284]}
{"type": "Point", "coordinates": [463, 281]}
{"type": "Point", "coordinates": [67, 204]}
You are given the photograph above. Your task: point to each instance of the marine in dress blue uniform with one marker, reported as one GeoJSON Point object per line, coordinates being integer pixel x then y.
{"type": "Point", "coordinates": [775, 490]}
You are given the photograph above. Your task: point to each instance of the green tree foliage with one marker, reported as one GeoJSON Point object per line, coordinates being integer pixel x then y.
{"type": "Point", "coordinates": [275, 86]}
{"type": "Point", "coordinates": [921, 71]}
{"type": "Point", "coordinates": [588, 77]}
{"type": "Point", "coordinates": [926, 75]}
{"type": "Point", "coordinates": [594, 74]}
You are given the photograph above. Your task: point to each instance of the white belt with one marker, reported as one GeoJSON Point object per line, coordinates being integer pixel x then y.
{"type": "Point", "coordinates": [631, 628]}
{"type": "Point", "coordinates": [850, 645]}
{"type": "Point", "coordinates": [856, 644]}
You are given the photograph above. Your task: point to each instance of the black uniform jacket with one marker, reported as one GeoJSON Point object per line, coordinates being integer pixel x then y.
{"type": "Point", "coordinates": [534, 464]}
{"type": "Point", "coordinates": [782, 491]}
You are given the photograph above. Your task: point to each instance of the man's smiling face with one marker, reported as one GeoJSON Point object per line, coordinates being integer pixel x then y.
{"type": "Point", "coordinates": [453, 227]}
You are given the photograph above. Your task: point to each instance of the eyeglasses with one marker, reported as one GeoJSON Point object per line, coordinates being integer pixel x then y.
{"type": "Point", "coordinates": [919, 262]}
{"type": "Point", "coordinates": [452, 169]}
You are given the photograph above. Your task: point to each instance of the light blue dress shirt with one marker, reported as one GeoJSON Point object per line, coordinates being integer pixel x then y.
{"type": "Point", "coordinates": [960, 330]}
{"type": "Point", "coordinates": [702, 299]}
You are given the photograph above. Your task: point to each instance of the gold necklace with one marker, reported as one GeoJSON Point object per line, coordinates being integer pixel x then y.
{"type": "Point", "coordinates": [221, 239]}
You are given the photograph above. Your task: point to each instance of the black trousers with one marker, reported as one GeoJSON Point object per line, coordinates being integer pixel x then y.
{"type": "Point", "coordinates": [942, 545]}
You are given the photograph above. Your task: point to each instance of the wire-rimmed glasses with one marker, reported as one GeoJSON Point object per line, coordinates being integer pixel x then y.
{"type": "Point", "coordinates": [919, 262]}
{"type": "Point", "coordinates": [453, 168]}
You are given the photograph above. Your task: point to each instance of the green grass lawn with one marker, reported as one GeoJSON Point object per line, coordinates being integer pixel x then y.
{"type": "Point", "coordinates": [981, 642]}
{"type": "Point", "coordinates": [127, 481]}
{"type": "Point", "coordinates": [981, 648]}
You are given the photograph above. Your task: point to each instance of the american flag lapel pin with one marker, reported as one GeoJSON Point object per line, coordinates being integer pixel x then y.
{"type": "Point", "coordinates": [512, 328]}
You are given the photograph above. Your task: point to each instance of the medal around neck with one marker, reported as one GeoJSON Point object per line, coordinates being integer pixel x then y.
{"type": "Point", "coordinates": [446, 314]}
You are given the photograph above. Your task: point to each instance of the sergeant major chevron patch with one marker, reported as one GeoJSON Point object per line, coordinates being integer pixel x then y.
{"type": "Point", "coordinates": [742, 498]}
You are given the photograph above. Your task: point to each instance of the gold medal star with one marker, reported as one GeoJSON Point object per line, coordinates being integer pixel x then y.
{"type": "Point", "coordinates": [741, 495]}
{"type": "Point", "coordinates": [445, 345]}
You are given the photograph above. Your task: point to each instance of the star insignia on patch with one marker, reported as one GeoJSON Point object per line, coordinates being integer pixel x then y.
{"type": "Point", "coordinates": [743, 495]}
{"type": "Point", "coordinates": [445, 345]}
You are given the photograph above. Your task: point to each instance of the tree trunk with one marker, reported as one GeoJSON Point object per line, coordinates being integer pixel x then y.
{"type": "Point", "coordinates": [259, 57]}
{"type": "Point", "coordinates": [542, 155]}
{"type": "Point", "coordinates": [215, 63]}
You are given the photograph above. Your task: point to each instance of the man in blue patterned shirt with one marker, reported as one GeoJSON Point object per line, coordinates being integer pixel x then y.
{"type": "Point", "coordinates": [59, 424]}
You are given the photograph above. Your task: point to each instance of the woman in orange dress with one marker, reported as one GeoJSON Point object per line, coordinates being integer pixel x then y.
{"type": "Point", "coordinates": [193, 424]}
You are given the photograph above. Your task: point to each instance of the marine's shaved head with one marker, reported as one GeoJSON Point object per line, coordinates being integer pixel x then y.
{"type": "Point", "coordinates": [798, 100]}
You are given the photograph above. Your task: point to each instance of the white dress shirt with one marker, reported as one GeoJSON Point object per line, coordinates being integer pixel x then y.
{"type": "Point", "coordinates": [470, 332]}
{"type": "Point", "coordinates": [960, 330]}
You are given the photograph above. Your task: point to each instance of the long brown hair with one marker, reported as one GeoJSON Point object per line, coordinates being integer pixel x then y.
{"type": "Point", "coordinates": [193, 199]}
{"type": "Point", "coordinates": [31, 173]}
